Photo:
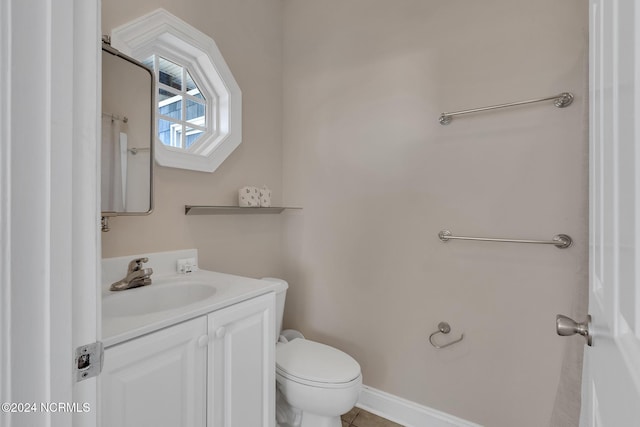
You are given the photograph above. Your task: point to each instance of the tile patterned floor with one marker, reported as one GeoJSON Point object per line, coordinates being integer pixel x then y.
{"type": "Point", "coordinates": [360, 418]}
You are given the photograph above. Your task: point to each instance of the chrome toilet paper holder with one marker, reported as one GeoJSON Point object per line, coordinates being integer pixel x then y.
{"type": "Point", "coordinates": [443, 328]}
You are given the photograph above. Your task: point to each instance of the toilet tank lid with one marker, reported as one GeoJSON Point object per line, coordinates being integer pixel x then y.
{"type": "Point", "coordinates": [312, 361]}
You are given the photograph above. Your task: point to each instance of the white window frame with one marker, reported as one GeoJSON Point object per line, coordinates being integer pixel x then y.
{"type": "Point", "coordinates": [164, 35]}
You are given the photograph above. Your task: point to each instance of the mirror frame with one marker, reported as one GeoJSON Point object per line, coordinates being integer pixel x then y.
{"type": "Point", "coordinates": [106, 47]}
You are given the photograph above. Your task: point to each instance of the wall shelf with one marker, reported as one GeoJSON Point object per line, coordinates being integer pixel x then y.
{"type": "Point", "coordinates": [231, 210]}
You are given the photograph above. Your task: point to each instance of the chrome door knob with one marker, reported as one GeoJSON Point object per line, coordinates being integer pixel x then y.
{"type": "Point", "coordinates": [566, 326]}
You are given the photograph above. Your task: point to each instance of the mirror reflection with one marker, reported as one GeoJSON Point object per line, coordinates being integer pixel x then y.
{"type": "Point", "coordinates": [127, 135]}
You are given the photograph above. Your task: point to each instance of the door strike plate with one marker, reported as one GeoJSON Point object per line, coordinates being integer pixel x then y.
{"type": "Point", "coordinates": [88, 361]}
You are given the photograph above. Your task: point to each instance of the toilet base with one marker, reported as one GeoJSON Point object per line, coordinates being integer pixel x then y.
{"type": "Point", "coordinates": [288, 416]}
{"type": "Point", "coordinates": [313, 420]}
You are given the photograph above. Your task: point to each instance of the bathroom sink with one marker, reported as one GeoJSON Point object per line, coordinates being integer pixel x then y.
{"type": "Point", "coordinates": [156, 298]}
{"type": "Point", "coordinates": [170, 299]}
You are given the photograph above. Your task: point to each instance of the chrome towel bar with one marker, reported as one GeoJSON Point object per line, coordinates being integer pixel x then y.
{"type": "Point", "coordinates": [136, 150]}
{"type": "Point", "coordinates": [123, 119]}
{"type": "Point", "coordinates": [562, 100]}
{"type": "Point", "coordinates": [561, 241]}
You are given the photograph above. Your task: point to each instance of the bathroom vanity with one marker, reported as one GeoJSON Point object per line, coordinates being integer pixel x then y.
{"type": "Point", "coordinates": [186, 355]}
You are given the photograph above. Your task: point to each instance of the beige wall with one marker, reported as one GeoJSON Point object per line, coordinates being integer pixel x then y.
{"type": "Point", "coordinates": [364, 84]}
{"type": "Point", "coordinates": [249, 35]}
{"type": "Point", "coordinates": [358, 145]}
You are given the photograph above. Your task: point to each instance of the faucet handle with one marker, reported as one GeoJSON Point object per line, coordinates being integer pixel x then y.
{"type": "Point", "coordinates": [136, 264]}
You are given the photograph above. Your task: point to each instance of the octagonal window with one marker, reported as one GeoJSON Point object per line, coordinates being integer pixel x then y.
{"type": "Point", "coordinates": [182, 118]}
{"type": "Point", "coordinates": [199, 104]}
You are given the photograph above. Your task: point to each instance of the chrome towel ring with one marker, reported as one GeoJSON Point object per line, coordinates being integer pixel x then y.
{"type": "Point", "coordinates": [443, 328]}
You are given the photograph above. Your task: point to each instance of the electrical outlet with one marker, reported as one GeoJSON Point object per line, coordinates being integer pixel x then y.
{"type": "Point", "coordinates": [187, 265]}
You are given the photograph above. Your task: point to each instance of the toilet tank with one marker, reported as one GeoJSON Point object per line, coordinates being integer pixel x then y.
{"type": "Point", "coordinates": [281, 295]}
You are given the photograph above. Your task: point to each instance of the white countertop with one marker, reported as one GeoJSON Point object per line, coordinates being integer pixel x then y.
{"type": "Point", "coordinates": [230, 290]}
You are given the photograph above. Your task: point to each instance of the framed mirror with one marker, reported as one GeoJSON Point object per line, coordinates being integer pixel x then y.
{"type": "Point", "coordinates": [128, 99]}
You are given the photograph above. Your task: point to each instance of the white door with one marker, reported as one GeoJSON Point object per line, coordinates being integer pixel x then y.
{"type": "Point", "coordinates": [611, 373]}
{"type": "Point", "coordinates": [49, 243]}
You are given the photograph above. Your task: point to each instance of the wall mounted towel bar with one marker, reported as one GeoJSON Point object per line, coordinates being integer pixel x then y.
{"type": "Point", "coordinates": [443, 328]}
{"type": "Point", "coordinates": [562, 100]}
{"type": "Point", "coordinates": [560, 241]}
{"type": "Point", "coordinates": [123, 119]}
{"type": "Point", "coordinates": [136, 150]}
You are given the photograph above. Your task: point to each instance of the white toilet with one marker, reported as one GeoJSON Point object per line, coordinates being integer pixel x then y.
{"type": "Point", "coordinates": [315, 383]}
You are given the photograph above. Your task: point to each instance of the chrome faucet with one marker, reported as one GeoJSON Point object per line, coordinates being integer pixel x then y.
{"type": "Point", "coordinates": [136, 276]}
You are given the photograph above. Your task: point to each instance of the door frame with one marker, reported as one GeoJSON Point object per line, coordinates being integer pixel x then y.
{"type": "Point", "coordinates": [49, 205]}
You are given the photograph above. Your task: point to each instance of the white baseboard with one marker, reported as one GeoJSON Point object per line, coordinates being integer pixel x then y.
{"type": "Point", "coordinates": [405, 412]}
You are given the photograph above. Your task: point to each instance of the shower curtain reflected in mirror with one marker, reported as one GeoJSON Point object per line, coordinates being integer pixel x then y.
{"type": "Point", "coordinates": [114, 165]}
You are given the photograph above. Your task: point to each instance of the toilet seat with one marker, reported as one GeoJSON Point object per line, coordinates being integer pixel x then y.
{"type": "Point", "coordinates": [314, 364]}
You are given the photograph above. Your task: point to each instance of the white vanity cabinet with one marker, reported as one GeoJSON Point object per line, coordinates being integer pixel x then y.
{"type": "Point", "coordinates": [158, 379]}
{"type": "Point", "coordinates": [242, 365]}
{"type": "Point", "coordinates": [217, 370]}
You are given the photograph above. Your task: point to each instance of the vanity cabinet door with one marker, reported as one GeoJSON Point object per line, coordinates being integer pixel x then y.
{"type": "Point", "coordinates": [157, 380]}
{"type": "Point", "coordinates": [242, 364]}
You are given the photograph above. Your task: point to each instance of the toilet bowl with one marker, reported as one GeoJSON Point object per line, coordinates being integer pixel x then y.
{"type": "Point", "coordinates": [316, 383]}
{"type": "Point", "coordinates": [320, 381]}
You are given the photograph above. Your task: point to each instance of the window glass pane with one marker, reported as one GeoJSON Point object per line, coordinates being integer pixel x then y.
{"type": "Point", "coordinates": [191, 136]}
{"type": "Point", "coordinates": [170, 74]}
{"type": "Point", "coordinates": [174, 125]}
{"type": "Point", "coordinates": [163, 95]}
{"type": "Point", "coordinates": [149, 62]}
{"type": "Point", "coordinates": [171, 107]}
{"type": "Point", "coordinates": [192, 88]}
{"type": "Point", "coordinates": [170, 133]}
{"type": "Point", "coordinates": [189, 83]}
{"type": "Point", "coordinates": [195, 112]}
{"type": "Point", "coordinates": [166, 133]}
